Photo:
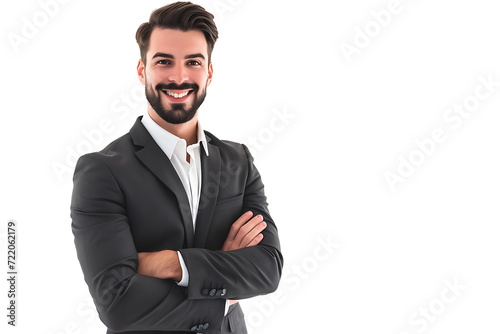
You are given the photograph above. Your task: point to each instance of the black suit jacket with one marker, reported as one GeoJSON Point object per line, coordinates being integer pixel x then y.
{"type": "Point", "coordinates": [128, 198]}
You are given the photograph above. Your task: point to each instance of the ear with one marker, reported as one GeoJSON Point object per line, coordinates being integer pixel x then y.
{"type": "Point", "coordinates": [141, 72]}
{"type": "Point", "coordinates": [210, 74]}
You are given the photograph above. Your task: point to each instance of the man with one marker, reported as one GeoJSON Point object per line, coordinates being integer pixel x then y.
{"type": "Point", "coordinates": [171, 224]}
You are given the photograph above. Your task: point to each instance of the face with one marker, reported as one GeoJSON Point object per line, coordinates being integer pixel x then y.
{"type": "Point", "coordinates": [176, 74]}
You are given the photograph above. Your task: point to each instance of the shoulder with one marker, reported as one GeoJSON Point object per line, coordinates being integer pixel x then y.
{"type": "Point", "coordinates": [228, 148]}
{"type": "Point", "coordinates": [119, 151]}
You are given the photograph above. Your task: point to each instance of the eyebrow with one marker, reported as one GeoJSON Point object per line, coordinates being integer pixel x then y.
{"type": "Point", "coordinates": [168, 55]}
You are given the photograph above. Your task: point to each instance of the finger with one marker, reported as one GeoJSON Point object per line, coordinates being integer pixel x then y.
{"type": "Point", "coordinates": [252, 234]}
{"type": "Point", "coordinates": [238, 224]}
{"type": "Point", "coordinates": [256, 240]}
{"type": "Point", "coordinates": [247, 227]}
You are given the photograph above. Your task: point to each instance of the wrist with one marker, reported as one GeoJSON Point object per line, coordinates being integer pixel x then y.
{"type": "Point", "coordinates": [172, 267]}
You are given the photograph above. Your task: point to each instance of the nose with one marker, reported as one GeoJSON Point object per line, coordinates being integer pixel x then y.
{"type": "Point", "coordinates": [178, 74]}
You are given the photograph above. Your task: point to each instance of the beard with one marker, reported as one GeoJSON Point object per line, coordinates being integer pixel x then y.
{"type": "Point", "coordinates": [179, 112]}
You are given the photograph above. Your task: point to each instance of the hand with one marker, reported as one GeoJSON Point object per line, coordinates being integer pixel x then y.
{"type": "Point", "coordinates": [245, 232]}
{"type": "Point", "coordinates": [161, 264]}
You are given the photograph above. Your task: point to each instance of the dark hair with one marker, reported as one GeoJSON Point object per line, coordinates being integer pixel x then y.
{"type": "Point", "coordinates": [182, 16]}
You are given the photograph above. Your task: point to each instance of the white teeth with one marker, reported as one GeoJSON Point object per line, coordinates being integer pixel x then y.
{"type": "Point", "coordinates": [177, 96]}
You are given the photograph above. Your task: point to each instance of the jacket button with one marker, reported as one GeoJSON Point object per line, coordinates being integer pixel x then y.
{"type": "Point", "coordinates": [204, 292]}
{"type": "Point", "coordinates": [223, 293]}
{"type": "Point", "coordinates": [205, 326]}
{"type": "Point", "coordinates": [218, 293]}
{"type": "Point", "coordinates": [194, 328]}
{"type": "Point", "coordinates": [212, 292]}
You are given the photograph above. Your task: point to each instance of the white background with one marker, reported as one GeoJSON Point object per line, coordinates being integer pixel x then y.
{"type": "Point", "coordinates": [324, 170]}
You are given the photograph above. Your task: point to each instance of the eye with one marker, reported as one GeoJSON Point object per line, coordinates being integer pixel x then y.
{"type": "Point", "coordinates": [164, 62]}
{"type": "Point", "coordinates": [194, 62]}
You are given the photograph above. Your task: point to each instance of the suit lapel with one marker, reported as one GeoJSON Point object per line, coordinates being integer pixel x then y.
{"type": "Point", "coordinates": [158, 163]}
{"type": "Point", "coordinates": [210, 170]}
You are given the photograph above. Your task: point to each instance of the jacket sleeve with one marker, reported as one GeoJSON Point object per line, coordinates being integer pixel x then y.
{"type": "Point", "coordinates": [245, 272]}
{"type": "Point", "coordinates": [126, 300]}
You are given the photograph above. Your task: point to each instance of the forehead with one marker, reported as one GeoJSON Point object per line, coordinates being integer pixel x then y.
{"type": "Point", "coordinates": [177, 42]}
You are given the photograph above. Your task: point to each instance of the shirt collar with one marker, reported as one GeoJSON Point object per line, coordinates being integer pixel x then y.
{"type": "Point", "coordinates": [168, 141]}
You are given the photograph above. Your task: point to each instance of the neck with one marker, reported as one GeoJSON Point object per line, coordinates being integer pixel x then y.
{"type": "Point", "coordinates": [187, 131]}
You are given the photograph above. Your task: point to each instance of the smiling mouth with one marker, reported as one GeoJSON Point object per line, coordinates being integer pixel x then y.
{"type": "Point", "coordinates": [178, 94]}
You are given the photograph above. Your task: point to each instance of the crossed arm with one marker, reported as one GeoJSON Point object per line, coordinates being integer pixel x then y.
{"type": "Point", "coordinates": [244, 232]}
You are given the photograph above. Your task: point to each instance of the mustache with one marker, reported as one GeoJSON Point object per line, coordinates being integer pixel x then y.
{"type": "Point", "coordinates": [172, 85]}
